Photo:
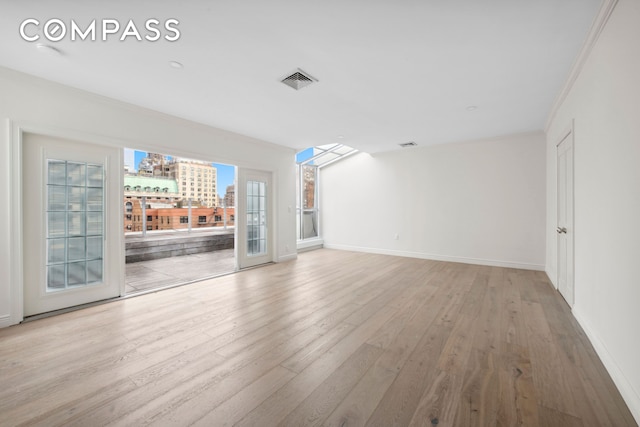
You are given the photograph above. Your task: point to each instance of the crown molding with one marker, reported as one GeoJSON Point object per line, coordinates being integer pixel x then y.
{"type": "Point", "coordinates": [598, 25]}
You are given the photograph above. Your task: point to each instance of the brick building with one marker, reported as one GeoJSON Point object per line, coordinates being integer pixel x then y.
{"type": "Point", "coordinates": [159, 191]}
{"type": "Point", "coordinates": [173, 218]}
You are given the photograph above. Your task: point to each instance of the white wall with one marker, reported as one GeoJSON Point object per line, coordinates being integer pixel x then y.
{"type": "Point", "coordinates": [478, 202]}
{"type": "Point", "coordinates": [25, 100]}
{"type": "Point", "coordinates": [605, 104]}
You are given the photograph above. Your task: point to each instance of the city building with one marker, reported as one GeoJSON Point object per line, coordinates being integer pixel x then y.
{"type": "Point", "coordinates": [158, 217]}
{"type": "Point", "coordinates": [230, 196]}
{"type": "Point", "coordinates": [196, 180]}
{"type": "Point", "coordinates": [157, 191]}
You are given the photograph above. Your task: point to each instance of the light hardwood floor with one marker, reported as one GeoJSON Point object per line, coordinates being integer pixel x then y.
{"type": "Point", "coordinates": [335, 338]}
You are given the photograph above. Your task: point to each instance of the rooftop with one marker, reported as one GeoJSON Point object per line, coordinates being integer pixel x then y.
{"type": "Point", "coordinates": [151, 182]}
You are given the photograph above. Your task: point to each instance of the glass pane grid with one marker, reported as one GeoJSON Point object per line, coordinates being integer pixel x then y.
{"type": "Point", "coordinates": [322, 154]}
{"type": "Point", "coordinates": [75, 224]}
{"type": "Point", "coordinates": [256, 218]}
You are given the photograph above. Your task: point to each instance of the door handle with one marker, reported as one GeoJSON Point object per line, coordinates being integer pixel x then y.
{"type": "Point", "coordinates": [561, 230]}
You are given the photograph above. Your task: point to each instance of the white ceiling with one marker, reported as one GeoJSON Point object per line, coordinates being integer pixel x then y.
{"type": "Point", "coordinates": [389, 71]}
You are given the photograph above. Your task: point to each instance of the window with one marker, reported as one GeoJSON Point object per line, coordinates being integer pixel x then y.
{"type": "Point", "coordinates": [149, 227]}
{"type": "Point", "coordinates": [75, 225]}
{"type": "Point", "coordinates": [309, 162]}
{"type": "Point", "coordinates": [129, 217]}
{"type": "Point", "coordinates": [184, 220]}
{"type": "Point", "coordinates": [218, 218]}
{"type": "Point", "coordinates": [128, 207]}
{"type": "Point", "coordinates": [149, 218]}
{"type": "Point", "coordinates": [309, 213]}
{"type": "Point", "coordinates": [202, 219]}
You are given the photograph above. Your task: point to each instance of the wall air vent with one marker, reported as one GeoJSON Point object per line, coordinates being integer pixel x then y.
{"type": "Point", "coordinates": [298, 80]}
{"type": "Point", "coordinates": [408, 144]}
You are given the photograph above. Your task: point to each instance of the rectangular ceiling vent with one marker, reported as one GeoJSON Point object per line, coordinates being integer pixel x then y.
{"type": "Point", "coordinates": [408, 144]}
{"type": "Point", "coordinates": [298, 80]}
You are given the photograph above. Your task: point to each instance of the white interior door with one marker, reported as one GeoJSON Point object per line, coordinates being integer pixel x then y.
{"type": "Point", "coordinates": [564, 228]}
{"type": "Point", "coordinates": [254, 219]}
{"type": "Point", "coordinates": [72, 238]}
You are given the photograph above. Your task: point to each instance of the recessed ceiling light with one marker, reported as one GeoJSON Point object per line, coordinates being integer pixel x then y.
{"type": "Point", "coordinates": [175, 64]}
{"type": "Point", "coordinates": [472, 108]}
{"type": "Point", "coordinates": [49, 50]}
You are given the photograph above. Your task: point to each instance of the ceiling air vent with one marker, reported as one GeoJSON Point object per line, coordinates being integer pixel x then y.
{"type": "Point", "coordinates": [408, 144]}
{"type": "Point", "coordinates": [298, 80]}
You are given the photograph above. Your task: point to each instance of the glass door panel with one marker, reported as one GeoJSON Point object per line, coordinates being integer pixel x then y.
{"type": "Point", "coordinates": [74, 224]}
{"type": "Point", "coordinates": [254, 236]}
{"type": "Point", "coordinates": [256, 218]}
{"type": "Point", "coordinates": [69, 257]}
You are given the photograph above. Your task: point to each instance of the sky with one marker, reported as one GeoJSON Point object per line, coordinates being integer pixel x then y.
{"type": "Point", "coordinates": [226, 173]}
{"type": "Point", "coordinates": [304, 155]}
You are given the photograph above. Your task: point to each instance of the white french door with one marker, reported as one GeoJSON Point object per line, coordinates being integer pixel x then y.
{"type": "Point", "coordinates": [71, 233]}
{"type": "Point", "coordinates": [564, 227]}
{"type": "Point", "coordinates": [254, 218]}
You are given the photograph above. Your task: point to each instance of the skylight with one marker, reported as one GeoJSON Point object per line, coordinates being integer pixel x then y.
{"type": "Point", "coordinates": [323, 155]}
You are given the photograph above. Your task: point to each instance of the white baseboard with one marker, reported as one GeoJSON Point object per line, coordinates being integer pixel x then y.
{"type": "Point", "coordinates": [476, 261]}
{"type": "Point", "coordinates": [5, 321]}
{"type": "Point", "coordinates": [309, 244]}
{"type": "Point", "coordinates": [289, 257]}
{"type": "Point", "coordinates": [628, 392]}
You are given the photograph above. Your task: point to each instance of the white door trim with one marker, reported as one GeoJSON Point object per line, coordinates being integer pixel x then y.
{"type": "Point", "coordinates": [15, 223]}
{"type": "Point", "coordinates": [568, 136]}
{"type": "Point", "coordinates": [17, 129]}
{"type": "Point", "coordinates": [243, 260]}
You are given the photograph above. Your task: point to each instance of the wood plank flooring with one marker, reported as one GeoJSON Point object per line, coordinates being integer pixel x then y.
{"type": "Point", "coordinates": [334, 338]}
